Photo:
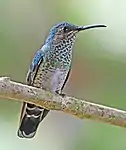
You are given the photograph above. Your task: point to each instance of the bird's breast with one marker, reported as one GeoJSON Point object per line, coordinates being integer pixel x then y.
{"type": "Point", "coordinates": [51, 74]}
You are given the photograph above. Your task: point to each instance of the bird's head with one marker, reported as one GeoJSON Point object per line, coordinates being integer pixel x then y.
{"type": "Point", "coordinates": [67, 31]}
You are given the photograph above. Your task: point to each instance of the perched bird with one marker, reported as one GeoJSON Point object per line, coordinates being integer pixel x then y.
{"type": "Point", "coordinates": [49, 70]}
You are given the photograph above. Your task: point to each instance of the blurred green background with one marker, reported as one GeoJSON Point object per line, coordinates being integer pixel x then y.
{"type": "Point", "coordinates": [98, 70]}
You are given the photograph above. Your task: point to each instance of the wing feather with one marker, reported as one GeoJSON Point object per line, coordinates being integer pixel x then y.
{"type": "Point", "coordinates": [37, 60]}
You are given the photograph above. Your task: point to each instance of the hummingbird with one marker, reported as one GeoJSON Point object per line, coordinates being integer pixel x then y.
{"type": "Point", "coordinates": [49, 70]}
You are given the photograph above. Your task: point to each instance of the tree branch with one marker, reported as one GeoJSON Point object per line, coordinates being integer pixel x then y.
{"type": "Point", "coordinates": [70, 105]}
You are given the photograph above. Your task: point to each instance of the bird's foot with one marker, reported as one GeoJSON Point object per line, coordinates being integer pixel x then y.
{"type": "Point", "coordinates": [61, 94]}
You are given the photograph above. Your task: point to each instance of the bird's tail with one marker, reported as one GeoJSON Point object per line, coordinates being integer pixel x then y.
{"type": "Point", "coordinates": [31, 116]}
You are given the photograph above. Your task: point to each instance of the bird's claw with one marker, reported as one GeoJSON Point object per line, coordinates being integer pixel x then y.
{"type": "Point", "coordinates": [61, 94]}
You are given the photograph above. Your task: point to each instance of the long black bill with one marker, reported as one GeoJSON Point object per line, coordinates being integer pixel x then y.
{"type": "Point", "coordinates": [81, 28]}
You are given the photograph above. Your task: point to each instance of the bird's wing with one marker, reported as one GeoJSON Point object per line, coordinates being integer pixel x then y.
{"type": "Point", "coordinates": [32, 115]}
{"type": "Point", "coordinates": [37, 60]}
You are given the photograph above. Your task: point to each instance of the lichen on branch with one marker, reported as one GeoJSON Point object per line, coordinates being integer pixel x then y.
{"type": "Point", "coordinates": [70, 105]}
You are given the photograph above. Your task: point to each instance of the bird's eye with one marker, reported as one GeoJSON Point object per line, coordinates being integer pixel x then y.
{"type": "Point", "coordinates": [65, 29]}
